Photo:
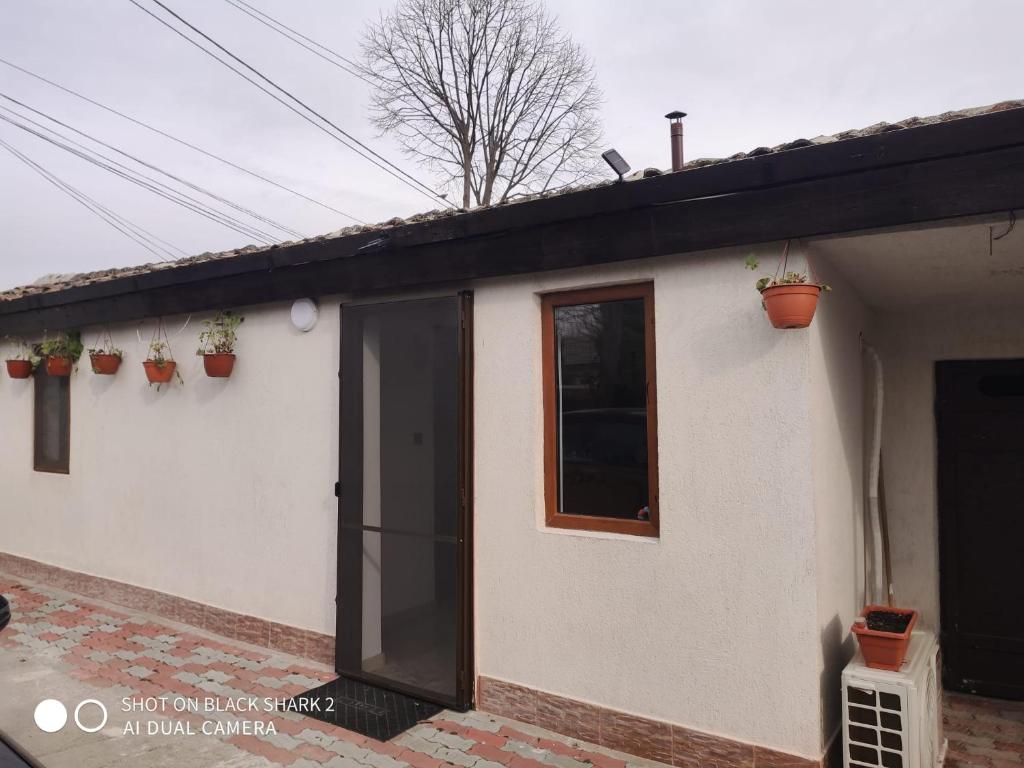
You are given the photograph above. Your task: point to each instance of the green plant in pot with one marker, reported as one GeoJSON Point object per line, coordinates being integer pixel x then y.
{"type": "Point", "coordinates": [61, 352]}
{"type": "Point", "coordinates": [22, 361]}
{"type": "Point", "coordinates": [105, 357]}
{"type": "Point", "coordinates": [160, 365]}
{"type": "Point", "coordinates": [789, 300]}
{"type": "Point", "coordinates": [217, 343]}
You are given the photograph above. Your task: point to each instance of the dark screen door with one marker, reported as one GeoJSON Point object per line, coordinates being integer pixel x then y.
{"type": "Point", "coordinates": [980, 418]}
{"type": "Point", "coordinates": [404, 522]}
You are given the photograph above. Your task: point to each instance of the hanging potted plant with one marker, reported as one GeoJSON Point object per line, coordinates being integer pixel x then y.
{"type": "Point", "coordinates": [105, 357]}
{"type": "Point", "coordinates": [22, 361]}
{"type": "Point", "coordinates": [789, 300]}
{"type": "Point", "coordinates": [61, 352]}
{"type": "Point", "coordinates": [159, 364]}
{"type": "Point", "coordinates": [217, 343]}
{"type": "Point", "coordinates": [884, 635]}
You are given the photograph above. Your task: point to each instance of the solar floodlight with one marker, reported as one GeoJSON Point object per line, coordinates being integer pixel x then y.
{"type": "Point", "coordinates": [615, 160]}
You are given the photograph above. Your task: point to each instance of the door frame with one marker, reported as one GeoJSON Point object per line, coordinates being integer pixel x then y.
{"type": "Point", "coordinates": [465, 656]}
{"type": "Point", "coordinates": [947, 397]}
{"type": "Point", "coordinates": [464, 644]}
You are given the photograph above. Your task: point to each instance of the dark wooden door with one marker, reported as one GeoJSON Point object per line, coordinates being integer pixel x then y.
{"type": "Point", "coordinates": [980, 422]}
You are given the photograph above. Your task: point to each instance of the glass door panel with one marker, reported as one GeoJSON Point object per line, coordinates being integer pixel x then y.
{"type": "Point", "coordinates": [400, 607]}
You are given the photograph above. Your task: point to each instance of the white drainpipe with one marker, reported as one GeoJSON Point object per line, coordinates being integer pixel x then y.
{"type": "Point", "coordinates": [878, 586]}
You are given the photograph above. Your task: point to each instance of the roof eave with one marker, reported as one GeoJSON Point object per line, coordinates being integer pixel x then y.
{"type": "Point", "coordinates": [650, 210]}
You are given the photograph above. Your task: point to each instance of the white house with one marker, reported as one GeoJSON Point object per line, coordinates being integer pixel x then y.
{"type": "Point", "coordinates": [581, 480]}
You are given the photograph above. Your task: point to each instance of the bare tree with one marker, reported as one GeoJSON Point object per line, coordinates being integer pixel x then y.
{"type": "Point", "coordinates": [490, 94]}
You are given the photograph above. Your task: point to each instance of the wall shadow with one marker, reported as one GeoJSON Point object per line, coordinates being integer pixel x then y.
{"type": "Point", "coordinates": [837, 648]}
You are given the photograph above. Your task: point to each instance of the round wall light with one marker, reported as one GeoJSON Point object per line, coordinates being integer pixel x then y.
{"type": "Point", "coordinates": [304, 314]}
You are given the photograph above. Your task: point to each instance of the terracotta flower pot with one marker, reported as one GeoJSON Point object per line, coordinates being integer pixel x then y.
{"type": "Point", "coordinates": [219, 365]}
{"type": "Point", "coordinates": [58, 366]}
{"type": "Point", "coordinates": [105, 365]}
{"type": "Point", "coordinates": [791, 306]}
{"type": "Point", "coordinates": [884, 650]}
{"type": "Point", "coordinates": [159, 373]}
{"type": "Point", "coordinates": [19, 369]}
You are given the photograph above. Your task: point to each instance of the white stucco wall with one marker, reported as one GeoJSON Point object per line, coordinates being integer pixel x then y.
{"type": "Point", "coordinates": [713, 624]}
{"type": "Point", "coordinates": [837, 434]}
{"type": "Point", "coordinates": [219, 490]}
{"type": "Point", "coordinates": [222, 492]}
{"type": "Point", "coordinates": [910, 343]}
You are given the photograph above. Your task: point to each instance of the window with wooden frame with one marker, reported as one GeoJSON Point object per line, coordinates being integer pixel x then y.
{"type": "Point", "coordinates": [52, 443]}
{"type": "Point", "coordinates": [600, 420]}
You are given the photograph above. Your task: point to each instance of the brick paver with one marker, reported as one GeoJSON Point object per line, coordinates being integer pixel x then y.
{"type": "Point", "coordinates": [983, 732]}
{"type": "Point", "coordinates": [145, 656]}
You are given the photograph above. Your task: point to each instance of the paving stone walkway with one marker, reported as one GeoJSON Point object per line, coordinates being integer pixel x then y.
{"type": "Point", "coordinates": [71, 648]}
{"type": "Point", "coordinates": [983, 732]}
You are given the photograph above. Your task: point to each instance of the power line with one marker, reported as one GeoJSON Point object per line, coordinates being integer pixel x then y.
{"type": "Point", "coordinates": [397, 172]}
{"type": "Point", "coordinates": [180, 141]}
{"type": "Point", "coordinates": [272, 95]}
{"type": "Point", "coordinates": [423, 187]}
{"type": "Point", "coordinates": [190, 185]}
{"type": "Point", "coordinates": [146, 182]}
{"type": "Point", "coordinates": [363, 151]}
{"type": "Point", "coordinates": [100, 210]}
{"type": "Point", "coordinates": [150, 235]}
{"type": "Point", "coordinates": [300, 39]}
{"type": "Point", "coordinates": [89, 203]}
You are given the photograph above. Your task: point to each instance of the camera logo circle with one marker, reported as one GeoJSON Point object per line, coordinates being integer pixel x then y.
{"type": "Point", "coordinates": [103, 713]}
{"type": "Point", "coordinates": [50, 715]}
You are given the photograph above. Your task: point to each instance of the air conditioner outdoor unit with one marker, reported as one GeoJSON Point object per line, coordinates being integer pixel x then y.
{"type": "Point", "coordinates": [894, 719]}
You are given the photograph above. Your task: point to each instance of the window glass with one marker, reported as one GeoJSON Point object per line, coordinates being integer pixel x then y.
{"type": "Point", "coordinates": [52, 420]}
{"type": "Point", "coordinates": [602, 410]}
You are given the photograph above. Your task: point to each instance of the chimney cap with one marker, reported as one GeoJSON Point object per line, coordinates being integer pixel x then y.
{"type": "Point", "coordinates": [676, 115]}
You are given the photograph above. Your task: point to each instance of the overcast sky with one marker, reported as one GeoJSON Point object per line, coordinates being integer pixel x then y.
{"type": "Point", "coordinates": [748, 73]}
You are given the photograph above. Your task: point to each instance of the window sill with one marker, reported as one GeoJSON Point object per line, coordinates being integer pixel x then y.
{"type": "Point", "coordinates": [606, 535]}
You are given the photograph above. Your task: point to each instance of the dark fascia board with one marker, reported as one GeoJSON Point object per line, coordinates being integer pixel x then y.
{"type": "Point", "coordinates": [933, 190]}
{"type": "Point", "coordinates": [731, 181]}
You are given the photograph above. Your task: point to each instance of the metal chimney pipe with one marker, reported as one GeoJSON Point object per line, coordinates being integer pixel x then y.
{"type": "Point", "coordinates": [676, 134]}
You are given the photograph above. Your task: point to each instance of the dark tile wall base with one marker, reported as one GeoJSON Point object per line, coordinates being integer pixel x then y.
{"type": "Point", "coordinates": [237, 626]}
{"type": "Point", "coordinates": [652, 739]}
